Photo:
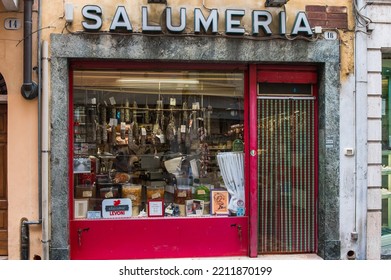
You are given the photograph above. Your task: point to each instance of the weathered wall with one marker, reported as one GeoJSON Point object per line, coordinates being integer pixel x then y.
{"type": "Point", "coordinates": [55, 22]}
{"type": "Point", "coordinates": [22, 137]}
{"type": "Point", "coordinates": [378, 44]}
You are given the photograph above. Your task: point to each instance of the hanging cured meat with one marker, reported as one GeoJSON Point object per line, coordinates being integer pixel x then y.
{"type": "Point", "coordinates": [132, 146]}
{"type": "Point", "coordinates": [104, 132]}
{"type": "Point", "coordinates": [171, 129]}
{"type": "Point", "coordinates": [135, 124]}
{"type": "Point", "coordinates": [204, 160]}
{"type": "Point", "coordinates": [157, 128]}
{"type": "Point", "coordinates": [127, 112]}
{"type": "Point", "coordinates": [146, 116]}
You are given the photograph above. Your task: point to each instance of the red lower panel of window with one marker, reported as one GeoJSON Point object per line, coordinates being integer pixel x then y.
{"type": "Point", "coordinates": [159, 238]}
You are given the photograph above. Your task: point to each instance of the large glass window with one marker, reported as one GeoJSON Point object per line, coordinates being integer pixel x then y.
{"type": "Point", "coordinates": [386, 159]}
{"type": "Point", "coordinates": [157, 143]}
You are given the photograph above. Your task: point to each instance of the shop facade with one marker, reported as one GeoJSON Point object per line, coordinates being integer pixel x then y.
{"type": "Point", "coordinates": [147, 105]}
{"type": "Point", "coordinates": [248, 86]}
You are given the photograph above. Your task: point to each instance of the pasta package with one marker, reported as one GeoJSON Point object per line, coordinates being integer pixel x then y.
{"type": "Point", "coordinates": [181, 194]}
{"type": "Point", "coordinates": [133, 192]}
{"type": "Point", "coordinates": [155, 192]}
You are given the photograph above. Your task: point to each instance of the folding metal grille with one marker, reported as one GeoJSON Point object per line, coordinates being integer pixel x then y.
{"type": "Point", "coordinates": [286, 175]}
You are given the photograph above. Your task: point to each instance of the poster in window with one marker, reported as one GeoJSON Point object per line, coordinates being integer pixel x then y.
{"type": "Point", "coordinates": [155, 208]}
{"type": "Point", "coordinates": [80, 208]}
{"type": "Point", "coordinates": [194, 207]}
{"type": "Point", "coordinates": [219, 200]}
{"type": "Point", "coordinates": [81, 165]}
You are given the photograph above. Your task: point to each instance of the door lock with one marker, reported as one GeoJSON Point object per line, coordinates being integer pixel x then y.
{"type": "Point", "coordinates": [80, 232]}
{"type": "Point", "coordinates": [239, 228]}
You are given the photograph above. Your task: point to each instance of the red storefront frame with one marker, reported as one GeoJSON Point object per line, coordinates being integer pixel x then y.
{"type": "Point", "coordinates": [147, 238]}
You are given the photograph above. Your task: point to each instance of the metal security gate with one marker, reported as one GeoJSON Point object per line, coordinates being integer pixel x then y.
{"type": "Point", "coordinates": [286, 170]}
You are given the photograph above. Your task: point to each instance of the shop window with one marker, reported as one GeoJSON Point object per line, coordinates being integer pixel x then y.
{"type": "Point", "coordinates": [386, 159]}
{"type": "Point", "coordinates": [157, 143]}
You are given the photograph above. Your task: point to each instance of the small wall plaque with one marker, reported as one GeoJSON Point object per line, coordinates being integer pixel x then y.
{"type": "Point", "coordinates": [12, 23]}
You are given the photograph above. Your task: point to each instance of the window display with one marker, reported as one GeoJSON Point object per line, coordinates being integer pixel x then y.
{"type": "Point", "coordinates": [386, 160]}
{"type": "Point", "coordinates": [157, 143]}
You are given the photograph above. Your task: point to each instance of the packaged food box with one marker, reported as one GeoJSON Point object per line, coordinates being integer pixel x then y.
{"type": "Point", "coordinates": [181, 194]}
{"type": "Point", "coordinates": [85, 191]}
{"type": "Point", "coordinates": [155, 192]}
{"type": "Point", "coordinates": [133, 192]}
{"type": "Point", "coordinates": [109, 192]}
{"type": "Point", "coordinates": [202, 192]}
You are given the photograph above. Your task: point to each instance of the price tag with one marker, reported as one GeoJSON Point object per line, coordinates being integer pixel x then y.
{"type": "Point", "coordinates": [112, 101]}
{"type": "Point", "coordinates": [94, 215]}
{"type": "Point", "coordinates": [143, 131]}
{"type": "Point", "coordinates": [183, 128]}
{"type": "Point", "coordinates": [172, 101]}
{"type": "Point", "coordinates": [113, 122]}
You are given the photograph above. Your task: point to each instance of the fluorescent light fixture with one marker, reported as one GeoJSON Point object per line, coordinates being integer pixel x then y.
{"type": "Point", "coordinates": [160, 81]}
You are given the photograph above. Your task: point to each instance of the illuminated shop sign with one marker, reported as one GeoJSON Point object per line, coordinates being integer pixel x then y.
{"type": "Point", "coordinates": [261, 21]}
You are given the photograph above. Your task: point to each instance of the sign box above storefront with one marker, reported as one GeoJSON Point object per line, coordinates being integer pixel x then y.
{"type": "Point", "coordinates": [260, 21]}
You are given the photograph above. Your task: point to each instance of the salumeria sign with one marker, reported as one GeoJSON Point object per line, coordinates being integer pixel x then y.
{"type": "Point", "coordinates": [261, 20]}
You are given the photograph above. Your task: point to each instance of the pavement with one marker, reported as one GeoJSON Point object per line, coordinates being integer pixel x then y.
{"type": "Point", "coordinates": [304, 257]}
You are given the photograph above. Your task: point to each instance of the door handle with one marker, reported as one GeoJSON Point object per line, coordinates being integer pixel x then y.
{"type": "Point", "coordinates": [239, 228]}
{"type": "Point", "coordinates": [80, 233]}
{"type": "Point", "coordinates": [253, 153]}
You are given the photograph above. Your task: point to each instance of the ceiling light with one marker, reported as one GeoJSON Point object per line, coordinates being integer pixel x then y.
{"type": "Point", "coordinates": [160, 81]}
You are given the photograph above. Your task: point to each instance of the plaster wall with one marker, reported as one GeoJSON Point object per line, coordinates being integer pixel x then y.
{"type": "Point", "coordinates": [22, 137]}
{"type": "Point", "coordinates": [378, 45]}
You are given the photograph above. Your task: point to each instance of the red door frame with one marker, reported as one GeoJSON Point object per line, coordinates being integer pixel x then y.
{"type": "Point", "coordinates": [108, 239]}
{"type": "Point", "coordinates": [253, 160]}
{"type": "Point", "coordinates": [305, 74]}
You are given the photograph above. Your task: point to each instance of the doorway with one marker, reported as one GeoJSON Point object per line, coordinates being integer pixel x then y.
{"type": "Point", "coordinates": [286, 133]}
{"type": "Point", "coordinates": [3, 182]}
